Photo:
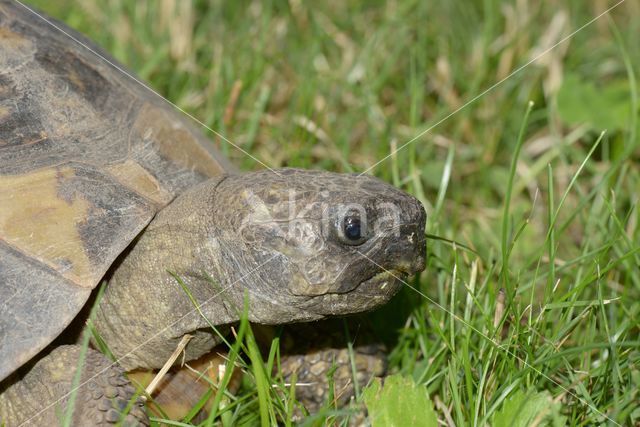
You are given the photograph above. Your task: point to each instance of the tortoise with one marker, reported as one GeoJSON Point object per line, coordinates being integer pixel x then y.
{"type": "Point", "coordinates": [100, 179]}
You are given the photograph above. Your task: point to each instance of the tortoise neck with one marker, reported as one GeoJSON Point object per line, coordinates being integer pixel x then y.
{"type": "Point", "coordinates": [148, 304]}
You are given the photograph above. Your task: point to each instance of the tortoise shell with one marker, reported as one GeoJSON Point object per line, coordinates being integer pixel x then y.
{"type": "Point", "coordinates": [88, 155]}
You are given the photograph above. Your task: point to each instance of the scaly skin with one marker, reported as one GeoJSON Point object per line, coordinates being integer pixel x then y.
{"type": "Point", "coordinates": [41, 396]}
{"type": "Point", "coordinates": [276, 239]}
{"type": "Point", "coordinates": [308, 353]}
{"type": "Point", "coordinates": [247, 235]}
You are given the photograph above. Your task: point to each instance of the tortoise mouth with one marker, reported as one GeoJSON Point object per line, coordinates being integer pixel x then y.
{"type": "Point", "coordinates": [385, 283]}
{"type": "Point", "coordinates": [368, 295]}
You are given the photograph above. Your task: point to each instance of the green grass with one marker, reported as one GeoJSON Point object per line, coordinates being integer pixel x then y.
{"type": "Point", "coordinates": [545, 200]}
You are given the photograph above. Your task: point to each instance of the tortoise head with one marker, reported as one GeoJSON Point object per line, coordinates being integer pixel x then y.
{"type": "Point", "coordinates": [315, 243]}
{"type": "Point", "coordinates": [297, 245]}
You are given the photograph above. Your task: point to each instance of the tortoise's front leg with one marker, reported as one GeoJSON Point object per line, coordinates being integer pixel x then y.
{"type": "Point", "coordinates": [313, 370]}
{"type": "Point", "coordinates": [313, 350]}
{"type": "Point", "coordinates": [41, 395]}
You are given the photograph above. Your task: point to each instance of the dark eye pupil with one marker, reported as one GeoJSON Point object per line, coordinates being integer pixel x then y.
{"type": "Point", "coordinates": [352, 228]}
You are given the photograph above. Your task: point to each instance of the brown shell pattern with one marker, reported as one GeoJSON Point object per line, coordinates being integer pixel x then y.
{"type": "Point", "coordinates": [87, 157]}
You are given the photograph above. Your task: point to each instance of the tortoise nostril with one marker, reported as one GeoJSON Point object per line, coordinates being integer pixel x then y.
{"type": "Point", "coordinates": [413, 265]}
{"type": "Point", "coordinates": [418, 264]}
{"type": "Point", "coordinates": [417, 250]}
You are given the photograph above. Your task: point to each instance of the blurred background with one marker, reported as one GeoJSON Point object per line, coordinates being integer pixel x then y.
{"type": "Point", "coordinates": [339, 84]}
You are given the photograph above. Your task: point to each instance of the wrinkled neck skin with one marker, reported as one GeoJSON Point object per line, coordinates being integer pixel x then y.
{"type": "Point", "coordinates": [224, 240]}
{"type": "Point", "coordinates": [145, 310]}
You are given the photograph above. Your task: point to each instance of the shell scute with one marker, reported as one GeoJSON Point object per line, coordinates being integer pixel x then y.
{"type": "Point", "coordinates": [87, 157]}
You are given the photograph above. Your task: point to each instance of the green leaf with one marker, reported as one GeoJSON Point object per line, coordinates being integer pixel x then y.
{"type": "Point", "coordinates": [524, 409]}
{"type": "Point", "coordinates": [399, 402]}
{"type": "Point", "coordinates": [602, 107]}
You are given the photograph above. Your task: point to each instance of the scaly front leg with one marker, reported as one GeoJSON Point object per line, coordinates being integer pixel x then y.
{"type": "Point", "coordinates": [40, 395]}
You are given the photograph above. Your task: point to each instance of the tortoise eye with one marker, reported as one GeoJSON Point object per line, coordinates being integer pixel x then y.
{"type": "Point", "coordinates": [353, 230]}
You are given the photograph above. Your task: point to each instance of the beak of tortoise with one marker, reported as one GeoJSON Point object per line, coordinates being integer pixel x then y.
{"type": "Point", "coordinates": [409, 253]}
{"type": "Point", "coordinates": [407, 257]}
{"type": "Point", "coordinates": [403, 257]}
{"type": "Point", "coordinates": [415, 248]}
